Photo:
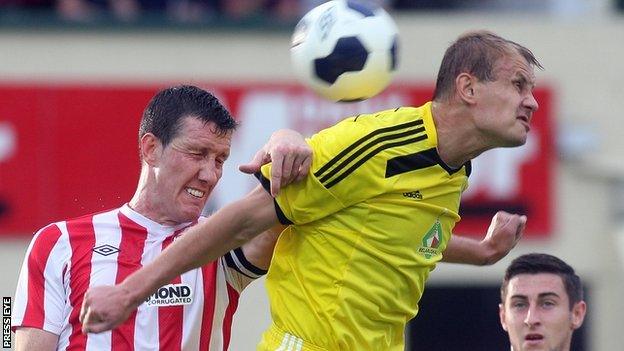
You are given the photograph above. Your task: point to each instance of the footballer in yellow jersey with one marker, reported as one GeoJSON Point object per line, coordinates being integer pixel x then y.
{"type": "Point", "coordinates": [368, 225]}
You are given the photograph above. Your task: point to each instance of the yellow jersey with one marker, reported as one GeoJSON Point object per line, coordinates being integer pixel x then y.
{"type": "Point", "coordinates": [368, 224]}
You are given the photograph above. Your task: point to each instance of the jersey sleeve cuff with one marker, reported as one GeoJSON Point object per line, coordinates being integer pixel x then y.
{"type": "Point", "coordinates": [236, 260]}
{"type": "Point", "coordinates": [266, 184]}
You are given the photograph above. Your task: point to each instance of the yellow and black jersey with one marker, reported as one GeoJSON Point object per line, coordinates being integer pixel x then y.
{"type": "Point", "coordinates": [368, 224]}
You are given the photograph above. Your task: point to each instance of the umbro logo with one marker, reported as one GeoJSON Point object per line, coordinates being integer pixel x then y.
{"type": "Point", "coordinates": [413, 194]}
{"type": "Point", "coordinates": [105, 250]}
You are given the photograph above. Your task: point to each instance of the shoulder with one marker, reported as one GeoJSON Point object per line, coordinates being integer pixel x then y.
{"type": "Point", "coordinates": [357, 130]}
{"type": "Point", "coordinates": [66, 229]}
{"type": "Point", "coordinates": [383, 118]}
{"type": "Point", "coordinates": [85, 224]}
{"type": "Point", "coordinates": [49, 233]}
{"type": "Point", "coordinates": [44, 242]}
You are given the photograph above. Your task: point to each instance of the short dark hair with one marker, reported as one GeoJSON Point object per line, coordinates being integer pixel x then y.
{"type": "Point", "coordinates": [476, 53]}
{"type": "Point", "coordinates": [163, 114]}
{"type": "Point", "coordinates": [536, 263]}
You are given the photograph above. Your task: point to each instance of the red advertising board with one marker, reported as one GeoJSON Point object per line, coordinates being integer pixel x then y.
{"type": "Point", "coordinates": [67, 150]}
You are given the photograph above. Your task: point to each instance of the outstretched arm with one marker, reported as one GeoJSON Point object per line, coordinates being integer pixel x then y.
{"type": "Point", "coordinates": [105, 307]}
{"type": "Point", "coordinates": [503, 234]}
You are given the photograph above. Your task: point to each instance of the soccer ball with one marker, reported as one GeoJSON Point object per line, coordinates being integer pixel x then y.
{"type": "Point", "coordinates": [345, 50]}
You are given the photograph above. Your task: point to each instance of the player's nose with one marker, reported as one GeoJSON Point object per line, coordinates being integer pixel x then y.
{"type": "Point", "coordinates": [530, 102]}
{"type": "Point", "coordinates": [532, 317]}
{"type": "Point", "coordinates": [209, 173]}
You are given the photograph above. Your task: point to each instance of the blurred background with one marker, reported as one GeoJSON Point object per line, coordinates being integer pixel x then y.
{"type": "Point", "coordinates": [75, 76]}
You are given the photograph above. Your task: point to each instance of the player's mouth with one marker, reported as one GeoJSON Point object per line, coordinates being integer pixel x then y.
{"type": "Point", "coordinates": [525, 121]}
{"type": "Point", "coordinates": [533, 338]}
{"type": "Point", "coordinates": [195, 192]}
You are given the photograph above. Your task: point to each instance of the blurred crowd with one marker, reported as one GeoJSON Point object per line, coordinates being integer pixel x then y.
{"type": "Point", "coordinates": [177, 10]}
{"type": "Point", "coordinates": [195, 11]}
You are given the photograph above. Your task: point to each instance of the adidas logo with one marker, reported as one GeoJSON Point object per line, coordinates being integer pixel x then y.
{"type": "Point", "coordinates": [413, 194]}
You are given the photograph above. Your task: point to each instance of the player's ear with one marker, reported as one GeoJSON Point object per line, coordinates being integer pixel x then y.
{"type": "Point", "coordinates": [578, 314]}
{"type": "Point", "coordinates": [501, 315]}
{"type": "Point", "coordinates": [150, 148]}
{"type": "Point", "coordinates": [465, 87]}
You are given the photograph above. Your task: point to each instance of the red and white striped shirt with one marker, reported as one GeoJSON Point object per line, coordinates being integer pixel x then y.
{"type": "Point", "coordinates": [64, 259]}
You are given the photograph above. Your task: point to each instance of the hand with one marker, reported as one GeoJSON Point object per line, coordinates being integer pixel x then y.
{"type": "Point", "coordinates": [503, 234]}
{"type": "Point", "coordinates": [291, 157]}
{"type": "Point", "coordinates": [104, 308]}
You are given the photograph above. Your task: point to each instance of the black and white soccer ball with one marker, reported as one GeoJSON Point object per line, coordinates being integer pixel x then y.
{"type": "Point", "coordinates": [345, 50]}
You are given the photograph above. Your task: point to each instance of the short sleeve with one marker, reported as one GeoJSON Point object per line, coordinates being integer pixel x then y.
{"type": "Point", "coordinates": [238, 271]}
{"type": "Point", "coordinates": [40, 295]}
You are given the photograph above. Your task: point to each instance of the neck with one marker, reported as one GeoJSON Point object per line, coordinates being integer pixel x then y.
{"type": "Point", "coordinates": [140, 199]}
{"type": "Point", "coordinates": [143, 202]}
{"type": "Point", "coordinates": [458, 139]}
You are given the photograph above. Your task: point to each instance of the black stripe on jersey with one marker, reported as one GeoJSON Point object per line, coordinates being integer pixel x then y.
{"type": "Point", "coordinates": [266, 184]}
{"type": "Point", "coordinates": [230, 262]}
{"type": "Point", "coordinates": [372, 143]}
{"type": "Point", "coordinates": [370, 155]}
{"type": "Point", "coordinates": [351, 147]}
{"type": "Point", "coordinates": [419, 160]}
{"type": "Point", "coordinates": [248, 265]}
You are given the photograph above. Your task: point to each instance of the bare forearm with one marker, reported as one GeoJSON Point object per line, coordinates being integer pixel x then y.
{"type": "Point", "coordinates": [465, 250]}
{"type": "Point", "coordinates": [230, 227]}
{"type": "Point", "coordinates": [501, 237]}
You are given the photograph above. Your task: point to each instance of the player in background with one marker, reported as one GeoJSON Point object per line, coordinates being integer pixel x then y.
{"type": "Point", "coordinates": [374, 215]}
{"type": "Point", "coordinates": [184, 139]}
{"type": "Point", "coordinates": [541, 303]}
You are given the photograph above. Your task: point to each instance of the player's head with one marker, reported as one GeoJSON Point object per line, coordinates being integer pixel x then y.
{"type": "Point", "coordinates": [184, 137]}
{"type": "Point", "coordinates": [541, 303]}
{"type": "Point", "coordinates": [163, 114]}
{"type": "Point", "coordinates": [476, 53]}
{"type": "Point", "coordinates": [491, 79]}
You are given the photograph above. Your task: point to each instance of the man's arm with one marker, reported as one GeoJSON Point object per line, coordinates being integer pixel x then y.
{"type": "Point", "coordinates": [106, 307]}
{"type": "Point", "coordinates": [503, 234]}
{"type": "Point", "coordinates": [33, 339]}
